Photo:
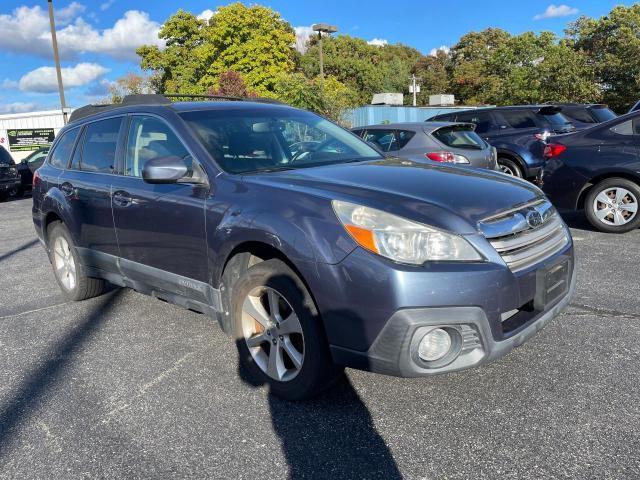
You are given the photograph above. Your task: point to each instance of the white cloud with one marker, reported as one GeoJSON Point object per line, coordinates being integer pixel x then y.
{"type": "Point", "coordinates": [434, 51]}
{"type": "Point", "coordinates": [106, 5]}
{"type": "Point", "coordinates": [44, 80]}
{"type": "Point", "coordinates": [303, 34]}
{"type": "Point", "coordinates": [8, 84]}
{"type": "Point", "coordinates": [554, 11]}
{"type": "Point", "coordinates": [17, 107]}
{"type": "Point", "coordinates": [207, 14]}
{"type": "Point", "coordinates": [378, 42]}
{"type": "Point", "coordinates": [26, 30]}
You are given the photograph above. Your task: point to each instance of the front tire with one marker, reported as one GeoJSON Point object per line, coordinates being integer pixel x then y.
{"type": "Point", "coordinates": [611, 206]}
{"type": "Point", "coordinates": [67, 268]}
{"type": "Point", "coordinates": [279, 333]}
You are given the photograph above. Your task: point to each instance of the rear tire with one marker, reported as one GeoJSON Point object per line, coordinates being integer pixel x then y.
{"type": "Point", "coordinates": [509, 167]}
{"type": "Point", "coordinates": [275, 314]}
{"type": "Point", "coordinates": [67, 268]}
{"type": "Point", "coordinates": [612, 206]}
{"type": "Point", "coordinates": [15, 192]}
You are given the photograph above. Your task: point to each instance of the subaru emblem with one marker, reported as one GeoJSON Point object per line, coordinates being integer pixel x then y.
{"type": "Point", "coordinates": [534, 218]}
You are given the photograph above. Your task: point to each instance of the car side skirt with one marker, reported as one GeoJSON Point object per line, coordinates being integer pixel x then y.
{"type": "Point", "coordinates": [170, 287]}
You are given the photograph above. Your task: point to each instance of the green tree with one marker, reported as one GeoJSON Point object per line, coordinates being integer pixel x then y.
{"type": "Point", "coordinates": [612, 46]}
{"type": "Point", "coordinates": [366, 69]}
{"type": "Point", "coordinates": [331, 100]}
{"type": "Point", "coordinates": [253, 41]}
{"type": "Point", "coordinates": [495, 67]}
{"type": "Point", "coordinates": [433, 72]}
{"type": "Point", "coordinates": [129, 84]}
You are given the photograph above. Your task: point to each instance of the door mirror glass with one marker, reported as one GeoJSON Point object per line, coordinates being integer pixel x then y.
{"type": "Point", "coordinates": [170, 169]}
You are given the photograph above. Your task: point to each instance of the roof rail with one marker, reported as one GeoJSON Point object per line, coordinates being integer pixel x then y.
{"type": "Point", "coordinates": [128, 100]}
{"type": "Point", "coordinates": [157, 99]}
{"type": "Point", "coordinates": [225, 97]}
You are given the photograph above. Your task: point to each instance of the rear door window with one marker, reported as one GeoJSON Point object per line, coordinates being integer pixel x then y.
{"type": "Point", "coordinates": [62, 152]}
{"type": "Point", "coordinates": [100, 145]}
{"type": "Point", "coordinates": [579, 114]}
{"type": "Point", "coordinates": [519, 118]}
{"type": "Point", "coordinates": [459, 137]}
{"type": "Point", "coordinates": [482, 120]}
{"type": "Point", "coordinates": [603, 113]}
{"type": "Point", "coordinates": [556, 119]}
{"type": "Point", "coordinates": [384, 139]}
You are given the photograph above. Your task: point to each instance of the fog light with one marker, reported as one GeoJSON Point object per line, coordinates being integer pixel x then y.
{"type": "Point", "coordinates": [434, 345]}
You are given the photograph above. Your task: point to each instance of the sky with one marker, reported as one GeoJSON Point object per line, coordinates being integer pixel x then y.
{"type": "Point", "coordinates": [98, 38]}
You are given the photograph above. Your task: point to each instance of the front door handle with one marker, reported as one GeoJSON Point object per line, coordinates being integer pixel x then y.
{"type": "Point", "coordinates": [122, 199]}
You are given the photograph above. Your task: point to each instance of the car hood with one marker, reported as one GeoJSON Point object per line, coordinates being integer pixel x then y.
{"type": "Point", "coordinates": [448, 197]}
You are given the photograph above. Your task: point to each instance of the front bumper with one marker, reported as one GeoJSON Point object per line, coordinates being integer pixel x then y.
{"type": "Point", "coordinates": [375, 311]}
{"type": "Point", "coordinates": [394, 351]}
{"type": "Point", "coordinates": [6, 185]}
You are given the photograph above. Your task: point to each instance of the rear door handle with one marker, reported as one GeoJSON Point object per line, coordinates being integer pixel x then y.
{"type": "Point", "coordinates": [122, 199]}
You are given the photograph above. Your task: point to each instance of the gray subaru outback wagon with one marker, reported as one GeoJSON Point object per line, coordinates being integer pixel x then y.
{"type": "Point", "coordinates": [311, 250]}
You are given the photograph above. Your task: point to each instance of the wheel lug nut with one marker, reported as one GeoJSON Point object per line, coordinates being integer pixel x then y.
{"type": "Point", "coordinates": [281, 337]}
{"type": "Point", "coordinates": [274, 341]}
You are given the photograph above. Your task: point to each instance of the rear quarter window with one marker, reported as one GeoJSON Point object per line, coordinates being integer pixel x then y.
{"type": "Point", "coordinates": [59, 158]}
{"type": "Point", "coordinates": [404, 136]}
{"type": "Point", "coordinates": [459, 137]}
{"type": "Point", "coordinates": [482, 120]}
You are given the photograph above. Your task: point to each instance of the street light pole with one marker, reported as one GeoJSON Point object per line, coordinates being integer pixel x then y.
{"type": "Point", "coordinates": [322, 28]}
{"type": "Point", "coordinates": [56, 58]}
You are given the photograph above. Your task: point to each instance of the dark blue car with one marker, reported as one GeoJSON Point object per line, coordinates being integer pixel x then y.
{"type": "Point", "coordinates": [598, 170]}
{"type": "Point", "coordinates": [311, 249]}
{"type": "Point", "coordinates": [516, 132]}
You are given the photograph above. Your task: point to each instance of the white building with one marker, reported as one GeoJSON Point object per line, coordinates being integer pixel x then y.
{"type": "Point", "coordinates": [21, 133]}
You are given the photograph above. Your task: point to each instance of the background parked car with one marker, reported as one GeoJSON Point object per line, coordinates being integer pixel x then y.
{"type": "Point", "coordinates": [9, 178]}
{"type": "Point", "coordinates": [436, 141]}
{"type": "Point", "coordinates": [515, 132]}
{"type": "Point", "coordinates": [598, 170]}
{"type": "Point", "coordinates": [29, 165]}
{"type": "Point", "coordinates": [584, 115]}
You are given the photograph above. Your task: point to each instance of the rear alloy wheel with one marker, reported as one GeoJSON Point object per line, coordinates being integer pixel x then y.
{"type": "Point", "coordinates": [612, 206]}
{"type": "Point", "coordinates": [279, 333]}
{"type": "Point", "coordinates": [67, 268]}
{"type": "Point", "coordinates": [509, 167]}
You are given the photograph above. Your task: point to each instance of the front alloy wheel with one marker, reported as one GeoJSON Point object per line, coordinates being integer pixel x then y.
{"type": "Point", "coordinates": [279, 333]}
{"type": "Point", "coordinates": [273, 333]}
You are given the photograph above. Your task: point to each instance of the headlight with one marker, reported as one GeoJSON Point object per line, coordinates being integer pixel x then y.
{"type": "Point", "coordinates": [400, 239]}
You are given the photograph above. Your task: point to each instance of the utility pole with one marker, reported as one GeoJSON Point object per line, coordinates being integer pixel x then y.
{"type": "Point", "coordinates": [322, 28]}
{"type": "Point", "coordinates": [414, 88]}
{"type": "Point", "coordinates": [56, 58]}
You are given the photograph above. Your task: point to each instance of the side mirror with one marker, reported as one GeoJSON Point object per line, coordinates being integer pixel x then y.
{"type": "Point", "coordinates": [164, 170]}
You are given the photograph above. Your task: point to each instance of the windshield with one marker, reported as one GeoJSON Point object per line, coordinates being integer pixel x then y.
{"type": "Point", "coordinates": [459, 137]}
{"type": "Point", "coordinates": [603, 114]}
{"type": "Point", "coordinates": [246, 141]}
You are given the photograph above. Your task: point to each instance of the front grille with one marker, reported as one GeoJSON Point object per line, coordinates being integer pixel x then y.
{"type": "Point", "coordinates": [526, 236]}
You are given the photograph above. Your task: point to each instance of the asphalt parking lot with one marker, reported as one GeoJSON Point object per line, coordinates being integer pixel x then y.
{"type": "Point", "coordinates": [125, 386]}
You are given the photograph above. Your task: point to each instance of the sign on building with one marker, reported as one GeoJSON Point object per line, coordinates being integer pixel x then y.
{"type": "Point", "coordinates": [23, 140]}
